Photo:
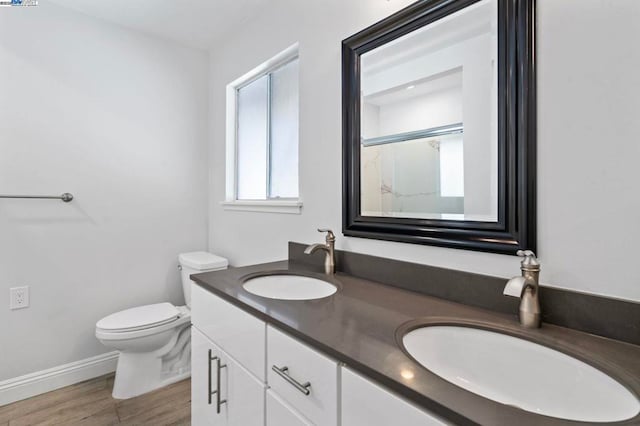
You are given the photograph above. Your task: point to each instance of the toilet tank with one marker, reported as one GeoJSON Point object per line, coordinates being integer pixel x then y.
{"type": "Point", "coordinates": [197, 262]}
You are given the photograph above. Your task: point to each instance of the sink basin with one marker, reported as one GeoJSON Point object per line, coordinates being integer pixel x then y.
{"type": "Point", "coordinates": [289, 287]}
{"type": "Point", "coordinates": [520, 373]}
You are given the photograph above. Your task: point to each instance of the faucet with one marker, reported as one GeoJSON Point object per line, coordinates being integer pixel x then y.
{"type": "Point", "coordinates": [328, 247]}
{"type": "Point", "coordinates": [526, 288]}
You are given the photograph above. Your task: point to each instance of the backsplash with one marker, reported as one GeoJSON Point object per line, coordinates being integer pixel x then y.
{"type": "Point", "coordinates": [612, 318]}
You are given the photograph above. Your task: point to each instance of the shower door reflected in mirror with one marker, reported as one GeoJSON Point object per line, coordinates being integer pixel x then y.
{"type": "Point", "coordinates": [429, 121]}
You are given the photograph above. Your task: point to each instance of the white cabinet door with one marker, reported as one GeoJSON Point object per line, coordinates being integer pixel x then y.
{"type": "Point", "coordinates": [222, 392]}
{"type": "Point", "coordinates": [365, 403]}
{"type": "Point", "coordinates": [238, 333]}
{"type": "Point", "coordinates": [203, 382]}
{"type": "Point", "coordinates": [280, 414]}
{"type": "Point", "coordinates": [243, 393]}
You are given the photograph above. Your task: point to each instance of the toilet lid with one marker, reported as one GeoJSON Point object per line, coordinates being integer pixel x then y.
{"type": "Point", "coordinates": [139, 317]}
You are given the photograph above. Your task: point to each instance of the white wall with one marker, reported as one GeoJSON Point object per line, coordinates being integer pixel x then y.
{"type": "Point", "coordinates": [441, 108]}
{"type": "Point", "coordinates": [589, 98]}
{"type": "Point", "coordinates": [118, 119]}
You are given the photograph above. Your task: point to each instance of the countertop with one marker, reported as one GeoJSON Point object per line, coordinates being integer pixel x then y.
{"type": "Point", "coordinates": [358, 327]}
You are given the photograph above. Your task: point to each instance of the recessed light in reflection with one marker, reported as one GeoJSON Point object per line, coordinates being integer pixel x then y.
{"type": "Point", "coordinates": [411, 87]}
{"type": "Point", "coordinates": [407, 374]}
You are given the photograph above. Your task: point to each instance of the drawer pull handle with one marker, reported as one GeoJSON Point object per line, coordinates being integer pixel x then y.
{"type": "Point", "coordinates": [219, 366]}
{"type": "Point", "coordinates": [283, 372]}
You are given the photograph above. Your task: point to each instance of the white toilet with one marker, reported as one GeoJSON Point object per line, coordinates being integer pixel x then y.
{"type": "Point", "coordinates": [154, 340]}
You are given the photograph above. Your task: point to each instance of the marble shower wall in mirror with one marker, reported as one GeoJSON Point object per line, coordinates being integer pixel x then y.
{"type": "Point", "coordinates": [429, 126]}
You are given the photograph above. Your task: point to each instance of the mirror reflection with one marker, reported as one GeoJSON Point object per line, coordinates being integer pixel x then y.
{"type": "Point", "coordinates": [429, 142]}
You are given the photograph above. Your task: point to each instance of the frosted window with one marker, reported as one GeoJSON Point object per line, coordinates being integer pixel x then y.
{"type": "Point", "coordinates": [284, 132]}
{"type": "Point", "coordinates": [452, 167]}
{"type": "Point", "coordinates": [267, 136]}
{"type": "Point", "coordinates": [252, 140]}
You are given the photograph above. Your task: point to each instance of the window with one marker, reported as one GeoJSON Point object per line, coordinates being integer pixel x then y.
{"type": "Point", "coordinates": [262, 135]}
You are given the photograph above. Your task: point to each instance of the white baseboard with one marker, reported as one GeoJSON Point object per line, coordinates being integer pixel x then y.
{"type": "Point", "coordinates": [57, 377]}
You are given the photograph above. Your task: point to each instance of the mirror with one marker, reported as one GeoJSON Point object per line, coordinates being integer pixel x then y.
{"type": "Point", "coordinates": [439, 126]}
{"type": "Point", "coordinates": [429, 118]}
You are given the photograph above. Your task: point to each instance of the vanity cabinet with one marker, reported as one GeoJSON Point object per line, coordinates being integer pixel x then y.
{"type": "Point", "coordinates": [203, 381]}
{"type": "Point", "coordinates": [266, 377]}
{"type": "Point", "coordinates": [238, 333]}
{"type": "Point", "coordinates": [366, 403]}
{"type": "Point", "coordinates": [216, 374]}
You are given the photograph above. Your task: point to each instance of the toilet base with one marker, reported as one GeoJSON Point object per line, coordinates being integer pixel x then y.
{"type": "Point", "coordinates": [140, 372]}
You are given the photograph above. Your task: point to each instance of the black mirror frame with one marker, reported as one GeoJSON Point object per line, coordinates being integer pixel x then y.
{"type": "Point", "coordinates": [515, 228]}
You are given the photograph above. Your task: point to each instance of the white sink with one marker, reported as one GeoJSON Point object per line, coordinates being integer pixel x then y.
{"type": "Point", "coordinates": [289, 287]}
{"type": "Point", "coordinates": [517, 372]}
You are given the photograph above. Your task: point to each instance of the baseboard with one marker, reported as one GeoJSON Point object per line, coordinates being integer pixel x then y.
{"type": "Point", "coordinates": [33, 384]}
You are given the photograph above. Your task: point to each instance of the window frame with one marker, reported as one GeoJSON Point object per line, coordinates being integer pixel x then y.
{"type": "Point", "coordinates": [269, 204]}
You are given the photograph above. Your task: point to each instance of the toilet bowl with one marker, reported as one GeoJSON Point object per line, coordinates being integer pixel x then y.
{"type": "Point", "coordinates": [154, 340]}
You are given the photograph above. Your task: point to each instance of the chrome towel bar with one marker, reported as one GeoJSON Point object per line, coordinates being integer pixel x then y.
{"type": "Point", "coordinates": [66, 197]}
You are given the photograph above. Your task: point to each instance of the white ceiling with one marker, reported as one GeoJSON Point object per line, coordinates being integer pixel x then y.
{"type": "Point", "coordinates": [195, 23]}
{"type": "Point", "coordinates": [450, 79]}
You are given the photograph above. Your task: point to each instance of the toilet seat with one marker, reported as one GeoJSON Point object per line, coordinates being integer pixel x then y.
{"type": "Point", "coordinates": [183, 318]}
{"type": "Point", "coordinates": [139, 318]}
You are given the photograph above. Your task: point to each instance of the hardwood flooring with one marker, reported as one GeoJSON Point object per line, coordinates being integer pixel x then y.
{"type": "Point", "coordinates": [90, 404]}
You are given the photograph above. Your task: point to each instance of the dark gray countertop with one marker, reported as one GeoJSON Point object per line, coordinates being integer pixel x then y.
{"type": "Point", "coordinates": [357, 326]}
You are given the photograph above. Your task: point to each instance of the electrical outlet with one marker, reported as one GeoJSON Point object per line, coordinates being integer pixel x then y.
{"type": "Point", "coordinates": [19, 297]}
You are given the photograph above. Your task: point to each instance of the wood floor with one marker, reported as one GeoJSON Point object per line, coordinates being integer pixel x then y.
{"type": "Point", "coordinates": [90, 404]}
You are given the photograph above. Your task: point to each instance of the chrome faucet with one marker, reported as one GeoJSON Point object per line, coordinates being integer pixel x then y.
{"type": "Point", "coordinates": [526, 288]}
{"type": "Point", "coordinates": [330, 257]}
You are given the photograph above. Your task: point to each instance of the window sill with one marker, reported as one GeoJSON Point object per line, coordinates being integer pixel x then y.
{"type": "Point", "coordinates": [266, 206]}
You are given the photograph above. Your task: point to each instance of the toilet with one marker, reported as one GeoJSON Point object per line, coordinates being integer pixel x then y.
{"type": "Point", "coordinates": [154, 340]}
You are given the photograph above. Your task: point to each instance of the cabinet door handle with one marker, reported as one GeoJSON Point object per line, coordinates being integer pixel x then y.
{"type": "Point", "coordinates": [283, 372]}
{"type": "Point", "coordinates": [219, 366]}
{"type": "Point", "coordinates": [219, 401]}
{"type": "Point", "coordinates": [210, 391]}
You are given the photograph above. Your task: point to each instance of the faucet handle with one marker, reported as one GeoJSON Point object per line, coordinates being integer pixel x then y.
{"type": "Point", "coordinates": [530, 259]}
{"type": "Point", "coordinates": [330, 235]}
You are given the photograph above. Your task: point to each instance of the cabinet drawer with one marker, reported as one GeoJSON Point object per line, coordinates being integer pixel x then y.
{"type": "Point", "coordinates": [367, 403]}
{"type": "Point", "coordinates": [299, 366]}
{"type": "Point", "coordinates": [238, 333]}
{"type": "Point", "coordinates": [280, 414]}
